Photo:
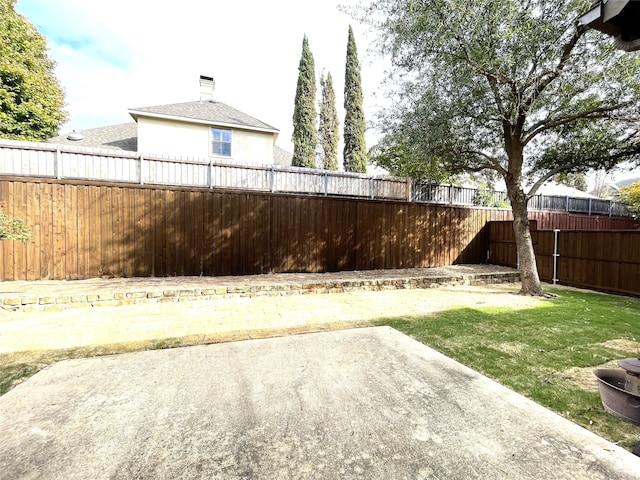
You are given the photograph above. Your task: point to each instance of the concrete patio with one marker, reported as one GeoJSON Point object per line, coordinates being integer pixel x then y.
{"type": "Point", "coordinates": [366, 403]}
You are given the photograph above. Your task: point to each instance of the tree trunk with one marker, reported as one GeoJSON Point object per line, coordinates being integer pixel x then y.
{"type": "Point", "coordinates": [524, 245]}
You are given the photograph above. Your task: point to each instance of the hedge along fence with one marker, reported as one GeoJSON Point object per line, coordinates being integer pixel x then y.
{"type": "Point", "coordinates": [601, 260]}
{"type": "Point", "coordinates": [87, 230]}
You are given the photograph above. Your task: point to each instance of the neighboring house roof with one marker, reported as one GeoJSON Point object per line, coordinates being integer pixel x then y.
{"type": "Point", "coordinates": [627, 181]}
{"type": "Point", "coordinates": [123, 136]}
{"type": "Point", "coordinates": [209, 112]}
{"type": "Point", "coordinates": [556, 189]}
{"type": "Point", "coordinates": [281, 156]}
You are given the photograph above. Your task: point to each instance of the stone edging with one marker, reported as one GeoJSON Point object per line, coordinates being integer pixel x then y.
{"type": "Point", "coordinates": [54, 303]}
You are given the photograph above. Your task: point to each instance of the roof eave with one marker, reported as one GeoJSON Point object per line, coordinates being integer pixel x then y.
{"type": "Point", "coordinates": [605, 17]}
{"type": "Point", "coordinates": [139, 113]}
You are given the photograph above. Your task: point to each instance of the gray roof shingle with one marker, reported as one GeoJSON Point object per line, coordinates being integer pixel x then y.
{"type": "Point", "coordinates": [281, 156]}
{"type": "Point", "coordinates": [123, 136]}
{"type": "Point", "coordinates": [212, 112]}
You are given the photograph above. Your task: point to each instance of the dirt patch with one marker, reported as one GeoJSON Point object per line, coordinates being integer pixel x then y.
{"type": "Point", "coordinates": [512, 347]}
{"type": "Point", "coordinates": [584, 377]}
{"type": "Point", "coordinates": [630, 346]}
{"type": "Point", "coordinates": [36, 339]}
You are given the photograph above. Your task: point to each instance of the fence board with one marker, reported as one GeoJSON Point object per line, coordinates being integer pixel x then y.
{"type": "Point", "coordinates": [6, 201]}
{"type": "Point", "coordinates": [94, 240]}
{"type": "Point", "coordinates": [596, 259]}
{"type": "Point", "coordinates": [70, 208]}
{"type": "Point", "coordinates": [20, 250]}
{"type": "Point", "coordinates": [33, 246]}
{"type": "Point", "coordinates": [130, 238]}
{"type": "Point", "coordinates": [82, 231]}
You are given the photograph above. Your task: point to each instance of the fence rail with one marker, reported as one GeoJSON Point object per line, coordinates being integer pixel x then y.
{"type": "Point", "coordinates": [34, 159]}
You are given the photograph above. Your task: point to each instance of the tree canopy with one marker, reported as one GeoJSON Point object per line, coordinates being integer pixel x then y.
{"type": "Point", "coordinates": [328, 125]}
{"type": "Point", "coordinates": [480, 78]}
{"type": "Point", "coordinates": [512, 86]}
{"type": "Point", "coordinates": [630, 196]}
{"type": "Point", "coordinates": [304, 136]}
{"type": "Point", "coordinates": [355, 148]}
{"type": "Point", "coordinates": [31, 99]}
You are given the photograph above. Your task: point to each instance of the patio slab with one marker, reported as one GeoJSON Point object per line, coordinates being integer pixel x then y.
{"type": "Point", "coordinates": [366, 403]}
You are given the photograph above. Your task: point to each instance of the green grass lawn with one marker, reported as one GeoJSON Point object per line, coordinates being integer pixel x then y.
{"type": "Point", "coordinates": [545, 353]}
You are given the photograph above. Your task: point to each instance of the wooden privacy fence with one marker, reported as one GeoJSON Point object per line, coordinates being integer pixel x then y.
{"type": "Point", "coordinates": [35, 159]}
{"type": "Point", "coordinates": [83, 230]}
{"type": "Point", "coordinates": [600, 260]}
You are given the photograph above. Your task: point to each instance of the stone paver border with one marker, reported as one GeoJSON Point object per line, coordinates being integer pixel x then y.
{"type": "Point", "coordinates": [57, 296]}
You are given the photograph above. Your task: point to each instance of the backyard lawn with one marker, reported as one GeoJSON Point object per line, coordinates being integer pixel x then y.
{"type": "Point", "coordinates": [547, 353]}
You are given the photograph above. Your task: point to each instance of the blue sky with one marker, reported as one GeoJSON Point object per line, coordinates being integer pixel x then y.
{"type": "Point", "coordinates": [120, 54]}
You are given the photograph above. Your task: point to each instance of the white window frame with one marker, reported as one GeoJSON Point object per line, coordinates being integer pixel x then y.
{"type": "Point", "coordinates": [221, 142]}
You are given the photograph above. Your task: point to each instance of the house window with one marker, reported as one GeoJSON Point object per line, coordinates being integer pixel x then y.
{"type": "Point", "coordinates": [221, 142]}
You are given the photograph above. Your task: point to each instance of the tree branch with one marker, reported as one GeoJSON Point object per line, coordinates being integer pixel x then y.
{"type": "Point", "coordinates": [548, 123]}
{"type": "Point", "coordinates": [534, 188]}
{"type": "Point", "coordinates": [493, 164]}
{"type": "Point", "coordinates": [555, 73]}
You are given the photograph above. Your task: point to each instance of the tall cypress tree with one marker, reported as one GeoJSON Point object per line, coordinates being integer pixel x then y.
{"type": "Point", "coordinates": [355, 149]}
{"type": "Point", "coordinates": [304, 135]}
{"type": "Point", "coordinates": [328, 128]}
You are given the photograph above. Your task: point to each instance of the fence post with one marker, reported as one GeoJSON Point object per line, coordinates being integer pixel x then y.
{"type": "Point", "coordinates": [450, 194]}
{"type": "Point", "coordinates": [325, 181]}
{"type": "Point", "coordinates": [409, 187]}
{"type": "Point", "coordinates": [272, 179]}
{"type": "Point", "coordinates": [141, 171]}
{"type": "Point", "coordinates": [556, 233]}
{"type": "Point", "coordinates": [210, 173]}
{"type": "Point", "coordinates": [567, 203]}
{"type": "Point", "coordinates": [56, 163]}
{"type": "Point", "coordinates": [371, 188]}
{"type": "Point", "coordinates": [590, 206]}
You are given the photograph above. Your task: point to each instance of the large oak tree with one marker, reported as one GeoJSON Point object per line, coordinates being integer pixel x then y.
{"type": "Point", "coordinates": [517, 87]}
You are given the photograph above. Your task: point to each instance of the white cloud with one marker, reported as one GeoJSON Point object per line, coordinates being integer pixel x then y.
{"type": "Point", "coordinates": [119, 54]}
